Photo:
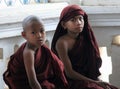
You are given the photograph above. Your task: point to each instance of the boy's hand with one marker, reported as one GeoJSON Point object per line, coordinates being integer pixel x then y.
{"type": "Point", "coordinates": [103, 84]}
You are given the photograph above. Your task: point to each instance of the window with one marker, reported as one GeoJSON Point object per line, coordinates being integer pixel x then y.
{"type": "Point", "coordinates": [23, 2]}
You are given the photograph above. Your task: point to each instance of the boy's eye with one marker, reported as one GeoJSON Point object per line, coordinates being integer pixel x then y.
{"type": "Point", "coordinates": [42, 30]}
{"type": "Point", "coordinates": [81, 18]}
{"type": "Point", "coordinates": [73, 19]}
{"type": "Point", "coordinates": [33, 32]}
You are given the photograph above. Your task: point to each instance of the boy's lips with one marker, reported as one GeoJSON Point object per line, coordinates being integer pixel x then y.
{"type": "Point", "coordinates": [41, 40]}
{"type": "Point", "coordinates": [79, 27]}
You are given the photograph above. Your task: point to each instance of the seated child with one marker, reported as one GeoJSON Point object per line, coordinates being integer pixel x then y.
{"type": "Point", "coordinates": [34, 66]}
{"type": "Point", "coordinates": [75, 44]}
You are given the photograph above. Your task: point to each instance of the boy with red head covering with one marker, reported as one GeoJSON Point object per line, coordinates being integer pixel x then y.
{"type": "Point", "coordinates": [34, 66]}
{"type": "Point", "coordinates": [75, 44]}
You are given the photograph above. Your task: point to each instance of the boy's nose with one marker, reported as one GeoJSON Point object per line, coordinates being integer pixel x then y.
{"type": "Point", "coordinates": [39, 35]}
{"type": "Point", "coordinates": [79, 21]}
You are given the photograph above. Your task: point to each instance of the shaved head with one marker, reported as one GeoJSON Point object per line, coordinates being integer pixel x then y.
{"type": "Point", "coordinates": [30, 19]}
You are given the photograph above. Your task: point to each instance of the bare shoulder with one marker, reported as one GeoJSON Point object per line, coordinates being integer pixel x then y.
{"type": "Point", "coordinates": [28, 53]}
{"type": "Point", "coordinates": [65, 42]}
{"type": "Point", "coordinates": [62, 46]}
{"type": "Point", "coordinates": [62, 41]}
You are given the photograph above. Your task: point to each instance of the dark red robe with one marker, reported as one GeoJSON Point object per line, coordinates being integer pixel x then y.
{"type": "Point", "coordinates": [49, 70]}
{"type": "Point", "coordinates": [83, 63]}
{"type": "Point", "coordinates": [84, 56]}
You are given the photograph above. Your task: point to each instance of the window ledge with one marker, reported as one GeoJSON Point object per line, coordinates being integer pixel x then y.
{"type": "Point", "coordinates": [11, 17]}
{"type": "Point", "coordinates": [103, 15]}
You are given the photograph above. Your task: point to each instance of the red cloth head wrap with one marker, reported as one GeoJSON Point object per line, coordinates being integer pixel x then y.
{"type": "Point", "coordinates": [67, 13]}
{"type": "Point", "coordinates": [70, 12]}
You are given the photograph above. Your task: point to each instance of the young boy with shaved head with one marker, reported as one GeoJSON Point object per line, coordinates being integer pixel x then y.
{"type": "Point", "coordinates": [34, 66]}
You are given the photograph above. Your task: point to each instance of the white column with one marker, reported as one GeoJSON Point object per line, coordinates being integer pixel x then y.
{"type": "Point", "coordinates": [2, 4]}
{"type": "Point", "coordinates": [106, 68]}
{"type": "Point", "coordinates": [32, 1]}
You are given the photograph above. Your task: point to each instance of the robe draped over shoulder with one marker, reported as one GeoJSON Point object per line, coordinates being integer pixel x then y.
{"type": "Point", "coordinates": [86, 63]}
{"type": "Point", "coordinates": [84, 55]}
{"type": "Point", "coordinates": [49, 70]}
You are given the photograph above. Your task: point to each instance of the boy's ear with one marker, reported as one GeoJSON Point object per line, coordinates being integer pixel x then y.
{"type": "Point", "coordinates": [23, 34]}
{"type": "Point", "coordinates": [63, 25]}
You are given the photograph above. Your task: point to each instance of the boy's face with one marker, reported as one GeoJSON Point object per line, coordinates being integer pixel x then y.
{"type": "Point", "coordinates": [75, 24]}
{"type": "Point", "coordinates": [35, 34]}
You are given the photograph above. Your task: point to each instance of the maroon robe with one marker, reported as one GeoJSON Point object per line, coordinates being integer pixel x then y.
{"type": "Point", "coordinates": [84, 56]}
{"type": "Point", "coordinates": [80, 57]}
{"type": "Point", "coordinates": [49, 70]}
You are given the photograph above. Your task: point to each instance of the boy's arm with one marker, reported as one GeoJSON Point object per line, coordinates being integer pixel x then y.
{"type": "Point", "coordinates": [62, 50]}
{"type": "Point", "coordinates": [28, 56]}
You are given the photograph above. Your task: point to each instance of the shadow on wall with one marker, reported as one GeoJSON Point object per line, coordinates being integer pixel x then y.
{"type": "Point", "coordinates": [115, 53]}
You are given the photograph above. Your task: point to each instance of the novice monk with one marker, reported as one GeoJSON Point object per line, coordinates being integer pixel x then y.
{"type": "Point", "coordinates": [75, 44]}
{"type": "Point", "coordinates": [34, 66]}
